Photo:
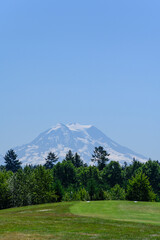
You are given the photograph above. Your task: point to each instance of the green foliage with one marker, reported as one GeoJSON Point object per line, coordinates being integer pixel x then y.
{"type": "Point", "coordinates": [152, 171]}
{"type": "Point", "coordinates": [72, 180]}
{"type": "Point", "coordinates": [117, 193]}
{"type": "Point", "coordinates": [76, 195]}
{"type": "Point", "coordinates": [59, 191]}
{"type": "Point", "coordinates": [132, 169]}
{"type": "Point", "coordinates": [65, 172]}
{"type": "Point", "coordinates": [100, 157]}
{"type": "Point", "coordinates": [139, 189]}
{"type": "Point", "coordinates": [43, 186]}
{"type": "Point", "coordinates": [77, 162]}
{"type": "Point", "coordinates": [83, 195]}
{"type": "Point", "coordinates": [50, 160]}
{"type": "Point", "coordinates": [84, 174]}
{"type": "Point", "coordinates": [112, 174]}
{"type": "Point", "coordinates": [99, 194]}
{"type": "Point", "coordinates": [92, 188]}
{"type": "Point", "coordinates": [69, 156]}
{"type": "Point", "coordinates": [21, 185]}
{"type": "Point", "coordinates": [5, 195]}
{"type": "Point", "coordinates": [31, 186]}
{"type": "Point", "coordinates": [11, 161]}
{"type": "Point", "coordinates": [107, 195]}
{"type": "Point", "coordinates": [74, 159]}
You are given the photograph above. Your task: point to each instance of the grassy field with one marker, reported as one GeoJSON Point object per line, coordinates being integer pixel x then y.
{"type": "Point", "coordinates": [141, 212]}
{"type": "Point", "coordinates": [82, 220]}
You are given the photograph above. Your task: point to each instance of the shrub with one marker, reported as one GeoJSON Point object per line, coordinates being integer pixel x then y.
{"type": "Point", "coordinates": [117, 193]}
{"type": "Point", "coordinates": [139, 189]}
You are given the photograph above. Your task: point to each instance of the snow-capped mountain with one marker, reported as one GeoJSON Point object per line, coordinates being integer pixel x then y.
{"type": "Point", "coordinates": [78, 138]}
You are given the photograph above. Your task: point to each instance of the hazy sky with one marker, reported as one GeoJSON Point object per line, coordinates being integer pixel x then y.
{"type": "Point", "coordinates": [92, 62]}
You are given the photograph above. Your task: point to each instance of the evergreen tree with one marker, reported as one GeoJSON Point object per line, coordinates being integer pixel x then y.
{"type": "Point", "coordinates": [112, 174]}
{"type": "Point", "coordinates": [11, 161]}
{"type": "Point", "coordinates": [69, 156]}
{"type": "Point", "coordinates": [100, 157]}
{"type": "Point", "coordinates": [84, 174]}
{"type": "Point", "coordinates": [50, 160]}
{"type": "Point", "coordinates": [139, 188]}
{"type": "Point", "coordinates": [77, 161]}
{"type": "Point", "coordinates": [65, 172]}
{"type": "Point", "coordinates": [92, 188]}
{"type": "Point", "coordinates": [152, 171]}
{"type": "Point", "coordinates": [5, 195]}
{"type": "Point", "coordinates": [134, 168]}
{"type": "Point", "coordinates": [58, 190]}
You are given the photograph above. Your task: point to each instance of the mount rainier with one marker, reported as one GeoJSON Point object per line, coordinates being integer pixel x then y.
{"type": "Point", "coordinates": [78, 138]}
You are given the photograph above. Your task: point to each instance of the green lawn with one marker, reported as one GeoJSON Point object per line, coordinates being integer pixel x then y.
{"type": "Point", "coordinates": [144, 212]}
{"type": "Point", "coordinates": [82, 220]}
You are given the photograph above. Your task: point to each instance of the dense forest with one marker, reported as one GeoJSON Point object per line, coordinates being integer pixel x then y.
{"type": "Point", "coordinates": [71, 180]}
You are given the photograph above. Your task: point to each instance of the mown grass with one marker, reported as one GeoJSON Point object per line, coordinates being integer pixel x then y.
{"type": "Point", "coordinates": [144, 212]}
{"type": "Point", "coordinates": [63, 221]}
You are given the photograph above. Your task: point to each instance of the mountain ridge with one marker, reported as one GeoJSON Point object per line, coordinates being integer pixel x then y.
{"type": "Point", "coordinates": [77, 138]}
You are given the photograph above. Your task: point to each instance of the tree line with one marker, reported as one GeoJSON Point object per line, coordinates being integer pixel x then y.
{"type": "Point", "coordinates": [72, 179]}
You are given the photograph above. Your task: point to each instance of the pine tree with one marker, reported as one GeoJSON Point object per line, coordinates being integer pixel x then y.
{"type": "Point", "coordinates": [58, 190]}
{"type": "Point", "coordinates": [11, 161]}
{"type": "Point", "coordinates": [50, 160]}
{"type": "Point", "coordinates": [112, 174]}
{"type": "Point", "coordinates": [69, 156]}
{"type": "Point", "coordinates": [77, 161]}
{"type": "Point", "coordinates": [100, 157]}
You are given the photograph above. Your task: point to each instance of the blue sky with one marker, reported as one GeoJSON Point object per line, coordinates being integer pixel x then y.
{"type": "Point", "coordinates": [92, 62]}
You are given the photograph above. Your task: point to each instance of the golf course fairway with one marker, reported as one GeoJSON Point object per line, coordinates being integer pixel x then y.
{"type": "Point", "coordinates": [82, 220]}
{"type": "Point", "coordinates": [144, 212]}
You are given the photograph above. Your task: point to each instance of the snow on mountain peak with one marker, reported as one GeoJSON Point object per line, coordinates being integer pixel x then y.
{"type": "Point", "coordinates": [77, 138]}
{"type": "Point", "coordinates": [71, 127]}
{"type": "Point", "coordinates": [77, 126]}
{"type": "Point", "coordinates": [59, 125]}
